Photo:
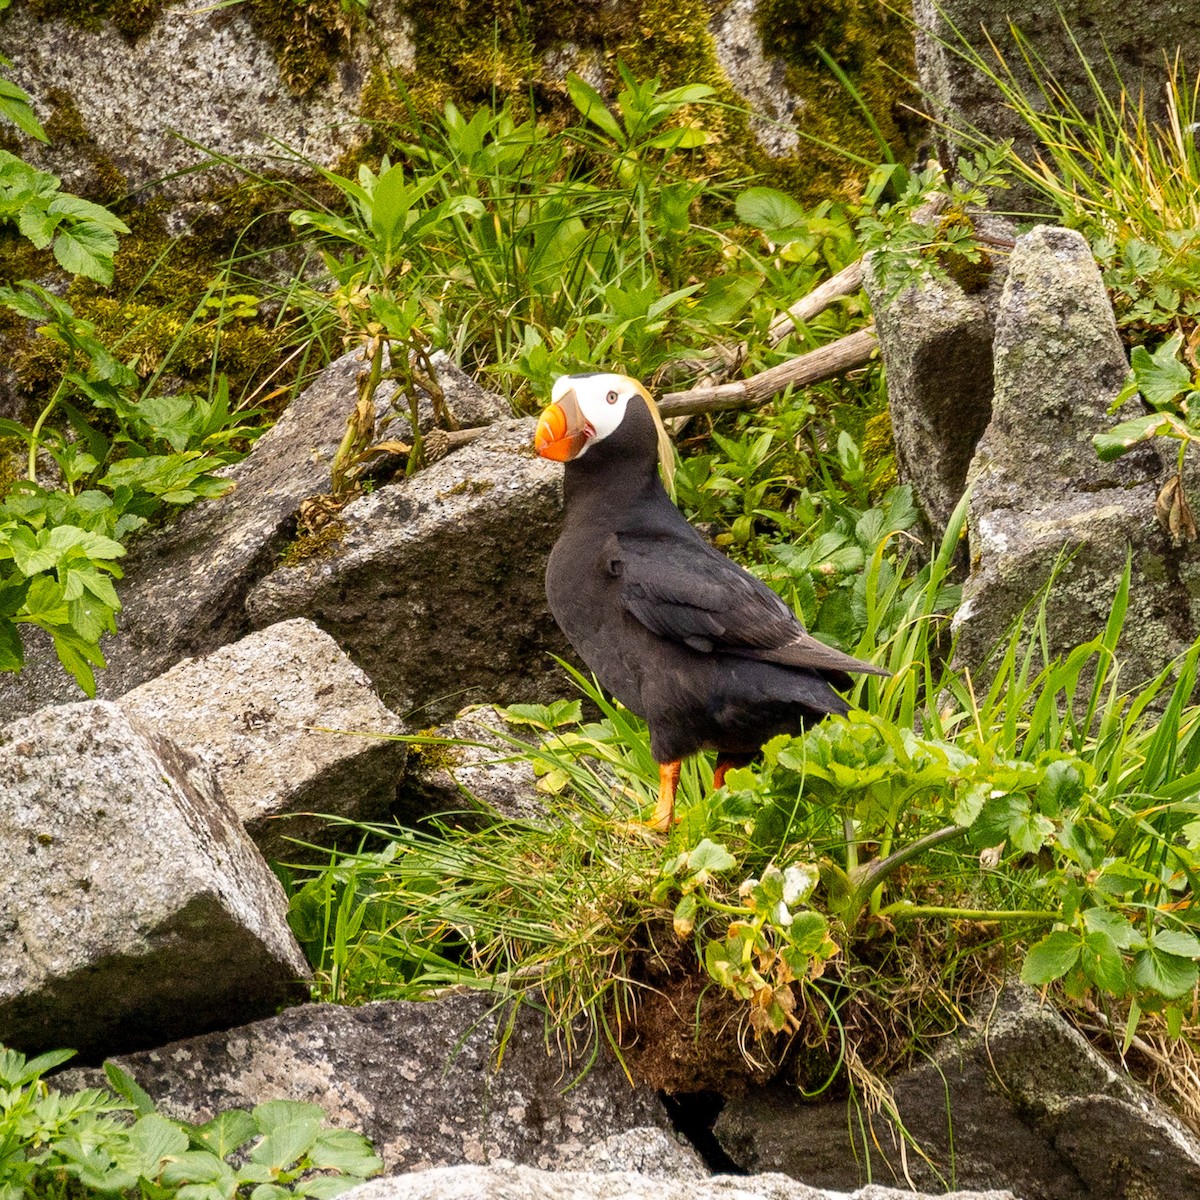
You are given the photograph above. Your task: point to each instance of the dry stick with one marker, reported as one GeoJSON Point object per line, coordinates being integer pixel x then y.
{"type": "Point", "coordinates": [844, 283]}
{"type": "Point", "coordinates": [822, 363]}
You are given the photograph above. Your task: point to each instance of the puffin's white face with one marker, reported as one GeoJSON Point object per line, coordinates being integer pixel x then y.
{"type": "Point", "coordinates": [584, 409]}
{"type": "Point", "coordinates": [601, 399]}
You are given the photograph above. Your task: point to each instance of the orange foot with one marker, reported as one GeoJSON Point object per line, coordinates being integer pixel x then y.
{"type": "Point", "coordinates": [664, 811]}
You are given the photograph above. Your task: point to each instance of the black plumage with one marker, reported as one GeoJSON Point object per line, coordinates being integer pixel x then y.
{"type": "Point", "coordinates": [706, 653]}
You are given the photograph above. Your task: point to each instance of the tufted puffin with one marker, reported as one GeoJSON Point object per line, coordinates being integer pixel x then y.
{"type": "Point", "coordinates": [681, 635]}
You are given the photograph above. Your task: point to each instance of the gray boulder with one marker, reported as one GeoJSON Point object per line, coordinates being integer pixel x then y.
{"type": "Point", "coordinates": [936, 342]}
{"type": "Point", "coordinates": [1040, 494]}
{"type": "Point", "coordinates": [134, 907]}
{"type": "Point", "coordinates": [1137, 38]}
{"type": "Point", "coordinates": [526, 1183]}
{"type": "Point", "coordinates": [201, 71]}
{"type": "Point", "coordinates": [482, 769]}
{"type": "Point", "coordinates": [435, 587]}
{"type": "Point", "coordinates": [185, 585]}
{"type": "Point", "coordinates": [286, 722]}
{"type": "Point", "coordinates": [419, 1079]}
{"type": "Point", "coordinates": [1018, 1100]}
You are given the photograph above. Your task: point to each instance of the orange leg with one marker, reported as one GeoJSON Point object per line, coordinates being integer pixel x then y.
{"type": "Point", "coordinates": [664, 810]}
{"type": "Point", "coordinates": [724, 765]}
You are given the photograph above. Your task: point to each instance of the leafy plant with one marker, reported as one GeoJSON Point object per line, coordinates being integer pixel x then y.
{"type": "Point", "coordinates": [60, 1145]}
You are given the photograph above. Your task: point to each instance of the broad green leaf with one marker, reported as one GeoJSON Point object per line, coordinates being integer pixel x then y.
{"type": "Point", "coordinates": [156, 1138]}
{"type": "Point", "coordinates": [1177, 941]}
{"type": "Point", "coordinates": [710, 857]}
{"type": "Point", "coordinates": [1128, 434]}
{"type": "Point", "coordinates": [769, 209]}
{"type": "Point", "coordinates": [326, 1187]}
{"type": "Point", "coordinates": [1167, 974]}
{"type": "Point", "coordinates": [1051, 958]}
{"type": "Point", "coordinates": [129, 1089]}
{"type": "Point", "coordinates": [346, 1151]}
{"type": "Point", "coordinates": [1161, 377]}
{"type": "Point", "coordinates": [1102, 963]}
{"type": "Point", "coordinates": [86, 250]}
{"type": "Point", "coordinates": [12, 651]}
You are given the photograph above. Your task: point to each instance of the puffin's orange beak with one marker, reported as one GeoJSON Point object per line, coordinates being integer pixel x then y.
{"type": "Point", "coordinates": [562, 430]}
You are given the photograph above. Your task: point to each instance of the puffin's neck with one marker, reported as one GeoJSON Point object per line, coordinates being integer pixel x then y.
{"type": "Point", "coordinates": [599, 487]}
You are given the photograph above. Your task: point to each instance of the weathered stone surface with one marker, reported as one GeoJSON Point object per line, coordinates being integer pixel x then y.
{"type": "Point", "coordinates": [203, 72]}
{"type": "Point", "coordinates": [435, 588]}
{"type": "Point", "coordinates": [185, 585]}
{"type": "Point", "coordinates": [760, 79]}
{"type": "Point", "coordinates": [447, 779]}
{"type": "Point", "coordinates": [525, 1183]}
{"type": "Point", "coordinates": [1138, 37]}
{"type": "Point", "coordinates": [936, 342]}
{"type": "Point", "coordinates": [416, 1078]}
{"type": "Point", "coordinates": [1039, 489]}
{"type": "Point", "coordinates": [1019, 1100]}
{"type": "Point", "coordinates": [133, 906]}
{"type": "Point", "coordinates": [276, 716]}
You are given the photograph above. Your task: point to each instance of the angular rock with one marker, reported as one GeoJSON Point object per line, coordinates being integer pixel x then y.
{"type": "Point", "coordinates": [1137, 38]}
{"type": "Point", "coordinates": [435, 587]}
{"type": "Point", "coordinates": [1019, 1100]}
{"type": "Point", "coordinates": [525, 1183]}
{"type": "Point", "coordinates": [276, 715]}
{"type": "Point", "coordinates": [451, 779]}
{"type": "Point", "coordinates": [201, 70]}
{"type": "Point", "coordinates": [185, 585]}
{"type": "Point", "coordinates": [1039, 489]}
{"type": "Point", "coordinates": [135, 907]}
{"type": "Point", "coordinates": [936, 343]}
{"type": "Point", "coordinates": [416, 1078]}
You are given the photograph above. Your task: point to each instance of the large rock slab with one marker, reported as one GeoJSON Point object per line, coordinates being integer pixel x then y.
{"type": "Point", "coordinates": [525, 1183]}
{"type": "Point", "coordinates": [436, 586]}
{"type": "Point", "coordinates": [284, 719]}
{"type": "Point", "coordinates": [185, 585]}
{"type": "Point", "coordinates": [419, 1079]}
{"type": "Point", "coordinates": [200, 70]}
{"type": "Point", "coordinates": [1041, 496]}
{"type": "Point", "coordinates": [1019, 1100]}
{"type": "Point", "coordinates": [936, 343]}
{"type": "Point", "coordinates": [1137, 38]}
{"type": "Point", "coordinates": [482, 772]}
{"type": "Point", "coordinates": [134, 908]}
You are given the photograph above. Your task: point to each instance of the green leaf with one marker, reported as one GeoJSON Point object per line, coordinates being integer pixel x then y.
{"type": "Point", "coordinates": [684, 920]}
{"type": "Point", "coordinates": [1051, 958]}
{"type": "Point", "coordinates": [1167, 974]}
{"type": "Point", "coordinates": [129, 1089]}
{"type": "Point", "coordinates": [1177, 941]}
{"type": "Point", "coordinates": [12, 650]}
{"type": "Point", "coordinates": [346, 1151]}
{"type": "Point", "coordinates": [591, 104]}
{"type": "Point", "coordinates": [326, 1187]}
{"type": "Point", "coordinates": [1102, 963]}
{"type": "Point", "coordinates": [769, 209]}
{"type": "Point", "coordinates": [1128, 434]}
{"type": "Point", "coordinates": [709, 858]}
{"type": "Point", "coordinates": [86, 250]}
{"type": "Point", "coordinates": [1160, 376]}
{"type": "Point", "coordinates": [226, 1132]}
{"type": "Point", "coordinates": [156, 1138]}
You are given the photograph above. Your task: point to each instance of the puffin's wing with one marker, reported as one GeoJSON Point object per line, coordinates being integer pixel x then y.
{"type": "Point", "coordinates": [691, 593]}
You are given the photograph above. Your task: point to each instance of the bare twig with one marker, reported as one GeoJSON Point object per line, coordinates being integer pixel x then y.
{"type": "Point", "coordinates": [822, 363]}
{"type": "Point", "coordinates": [844, 283]}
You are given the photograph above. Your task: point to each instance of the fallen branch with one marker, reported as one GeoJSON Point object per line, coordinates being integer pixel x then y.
{"type": "Point", "coordinates": [844, 283]}
{"type": "Point", "coordinates": [823, 363]}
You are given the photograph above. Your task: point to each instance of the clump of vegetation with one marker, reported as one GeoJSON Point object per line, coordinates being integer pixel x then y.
{"type": "Point", "coordinates": [63, 1145]}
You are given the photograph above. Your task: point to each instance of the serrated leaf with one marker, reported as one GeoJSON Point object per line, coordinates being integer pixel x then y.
{"type": "Point", "coordinates": [1121, 438]}
{"type": "Point", "coordinates": [1161, 377]}
{"type": "Point", "coordinates": [1167, 974]}
{"type": "Point", "coordinates": [1051, 958]}
{"type": "Point", "coordinates": [346, 1151]}
{"type": "Point", "coordinates": [769, 209]}
{"type": "Point", "coordinates": [227, 1132]}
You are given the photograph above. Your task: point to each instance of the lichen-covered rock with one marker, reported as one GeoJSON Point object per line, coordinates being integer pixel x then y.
{"type": "Point", "coordinates": [134, 906]}
{"type": "Point", "coordinates": [286, 721]}
{"type": "Point", "coordinates": [525, 1183]}
{"type": "Point", "coordinates": [418, 1078]}
{"type": "Point", "coordinates": [1019, 1100]}
{"type": "Point", "coordinates": [936, 342]}
{"type": "Point", "coordinates": [1041, 495]}
{"type": "Point", "coordinates": [201, 71]}
{"type": "Point", "coordinates": [1137, 38]}
{"type": "Point", "coordinates": [185, 586]}
{"type": "Point", "coordinates": [483, 768]}
{"type": "Point", "coordinates": [436, 587]}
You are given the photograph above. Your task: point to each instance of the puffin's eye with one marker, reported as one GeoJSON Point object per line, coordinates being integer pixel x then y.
{"type": "Point", "coordinates": [611, 397]}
